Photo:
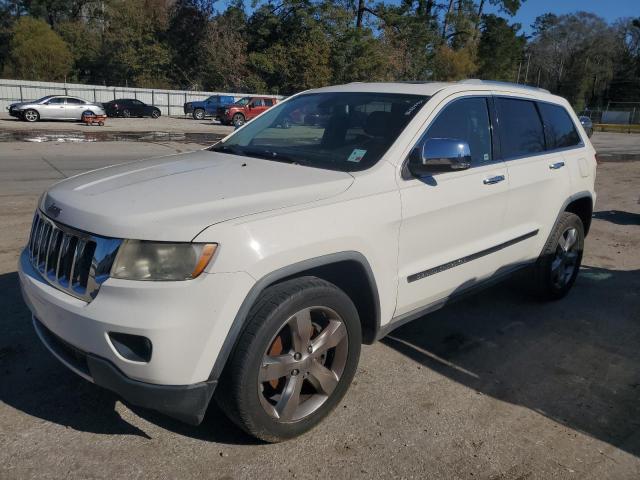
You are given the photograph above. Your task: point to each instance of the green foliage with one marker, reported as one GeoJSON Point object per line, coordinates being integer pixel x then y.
{"type": "Point", "coordinates": [36, 52]}
{"type": "Point", "coordinates": [500, 49]}
{"type": "Point", "coordinates": [284, 46]}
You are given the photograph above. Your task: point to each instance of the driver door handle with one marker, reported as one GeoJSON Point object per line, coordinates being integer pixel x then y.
{"type": "Point", "coordinates": [492, 180]}
{"type": "Point", "coordinates": [556, 166]}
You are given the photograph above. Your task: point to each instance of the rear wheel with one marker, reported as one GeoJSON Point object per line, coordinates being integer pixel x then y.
{"type": "Point", "coordinates": [294, 361]}
{"type": "Point", "coordinates": [155, 113]}
{"type": "Point", "coordinates": [558, 266]}
{"type": "Point", "coordinates": [31, 115]}
{"type": "Point", "coordinates": [198, 114]}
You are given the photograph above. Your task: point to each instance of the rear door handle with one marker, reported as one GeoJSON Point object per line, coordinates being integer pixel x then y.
{"type": "Point", "coordinates": [492, 180]}
{"type": "Point", "coordinates": [556, 166]}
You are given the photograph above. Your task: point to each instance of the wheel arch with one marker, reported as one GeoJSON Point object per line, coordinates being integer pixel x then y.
{"type": "Point", "coordinates": [348, 270]}
{"type": "Point", "coordinates": [582, 206]}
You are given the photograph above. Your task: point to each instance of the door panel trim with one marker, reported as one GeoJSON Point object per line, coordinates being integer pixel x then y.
{"type": "Point", "coordinates": [461, 261]}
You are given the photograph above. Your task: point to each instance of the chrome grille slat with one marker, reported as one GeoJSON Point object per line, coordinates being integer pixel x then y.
{"type": "Point", "coordinates": [70, 260]}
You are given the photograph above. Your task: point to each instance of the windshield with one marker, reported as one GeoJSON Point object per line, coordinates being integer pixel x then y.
{"type": "Point", "coordinates": [40, 100]}
{"type": "Point", "coordinates": [334, 130]}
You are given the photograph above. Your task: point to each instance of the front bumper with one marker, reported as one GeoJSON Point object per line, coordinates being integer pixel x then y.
{"type": "Point", "coordinates": [187, 403]}
{"type": "Point", "coordinates": [186, 322]}
{"type": "Point", "coordinates": [15, 113]}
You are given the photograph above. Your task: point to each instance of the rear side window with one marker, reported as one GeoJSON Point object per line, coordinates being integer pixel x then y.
{"type": "Point", "coordinates": [74, 101]}
{"type": "Point", "coordinates": [268, 102]}
{"type": "Point", "coordinates": [466, 119]}
{"type": "Point", "coordinates": [560, 130]}
{"type": "Point", "coordinates": [521, 130]}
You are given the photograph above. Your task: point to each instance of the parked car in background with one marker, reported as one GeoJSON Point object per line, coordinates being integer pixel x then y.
{"type": "Point", "coordinates": [587, 124]}
{"type": "Point", "coordinates": [244, 110]}
{"type": "Point", "coordinates": [130, 107]}
{"type": "Point", "coordinates": [54, 107]}
{"type": "Point", "coordinates": [208, 107]}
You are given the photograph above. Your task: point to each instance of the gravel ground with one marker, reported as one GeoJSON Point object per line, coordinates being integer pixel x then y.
{"type": "Point", "coordinates": [497, 386]}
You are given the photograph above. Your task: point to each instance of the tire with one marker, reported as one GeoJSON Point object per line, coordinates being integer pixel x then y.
{"type": "Point", "coordinates": [31, 115]}
{"type": "Point", "coordinates": [247, 386]}
{"type": "Point", "coordinates": [198, 114]}
{"type": "Point", "coordinates": [559, 263]}
{"type": "Point", "coordinates": [126, 113]}
{"type": "Point", "coordinates": [155, 113]}
{"type": "Point", "coordinates": [238, 120]}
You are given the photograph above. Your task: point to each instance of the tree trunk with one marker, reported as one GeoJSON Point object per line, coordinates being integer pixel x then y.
{"type": "Point", "coordinates": [360, 14]}
{"type": "Point", "coordinates": [446, 19]}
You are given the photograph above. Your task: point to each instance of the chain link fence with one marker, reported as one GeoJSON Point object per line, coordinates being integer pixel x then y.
{"type": "Point", "coordinates": [615, 113]}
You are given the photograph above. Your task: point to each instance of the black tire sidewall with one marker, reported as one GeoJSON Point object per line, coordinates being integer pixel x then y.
{"type": "Point", "coordinates": [259, 423]}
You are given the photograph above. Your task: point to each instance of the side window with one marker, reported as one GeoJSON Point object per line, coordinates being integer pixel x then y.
{"type": "Point", "coordinates": [258, 102]}
{"type": "Point", "coordinates": [268, 102]}
{"type": "Point", "coordinates": [74, 101]}
{"type": "Point", "coordinates": [521, 130]}
{"type": "Point", "coordinates": [136, 102]}
{"type": "Point", "coordinates": [465, 119]}
{"type": "Point", "coordinates": [56, 101]}
{"type": "Point", "coordinates": [558, 126]}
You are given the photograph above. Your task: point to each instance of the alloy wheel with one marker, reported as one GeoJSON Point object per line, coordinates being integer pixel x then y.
{"type": "Point", "coordinates": [303, 364]}
{"type": "Point", "coordinates": [565, 261]}
{"type": "Point", "coordinates": [31, 115]}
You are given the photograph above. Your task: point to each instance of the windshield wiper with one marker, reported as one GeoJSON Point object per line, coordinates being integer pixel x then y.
{"type": "Point", "coordinates": [270, 155]}
{"type": "Point", "coordinates": [227, 149]}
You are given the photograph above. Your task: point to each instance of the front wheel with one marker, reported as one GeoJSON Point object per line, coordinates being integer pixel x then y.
{"type": "Point", "coordinates": [198, 114]}
{"type": "Point", "coordinates": [294, 361]}
{"type": "Point", "coordinates": [155, 113]}
{"type": "Point", "coordinates": [558, 265]}
{"type": "Point", "coordinates": [126, 113]}
{"type": "Point", "coordinates": [31, 115]}
{"type": "Point", "coordinates": [238, 120]}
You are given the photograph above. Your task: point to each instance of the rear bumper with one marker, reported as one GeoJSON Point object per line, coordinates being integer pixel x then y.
{"type": "Point", "coordinates": [187, 403]}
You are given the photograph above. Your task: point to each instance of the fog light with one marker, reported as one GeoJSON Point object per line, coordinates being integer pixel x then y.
{"type": "Point", "coordinates": [132, 347]}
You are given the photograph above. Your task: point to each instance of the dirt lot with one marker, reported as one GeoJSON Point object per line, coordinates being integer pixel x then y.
{"type": "Point", "coordinates": [497, 386]}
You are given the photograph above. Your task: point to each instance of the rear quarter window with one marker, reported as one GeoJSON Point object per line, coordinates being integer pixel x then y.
{"type": "Point", "coordinates": [559, 129]}
{"type": "Point", "coordinates": [521, 131]}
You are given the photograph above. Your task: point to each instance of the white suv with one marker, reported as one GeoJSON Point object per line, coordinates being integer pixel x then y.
{"type": "Point", "coordinates": [256, 268]}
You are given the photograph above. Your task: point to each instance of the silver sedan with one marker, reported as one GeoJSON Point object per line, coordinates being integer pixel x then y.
{"type": "Point", "coordinates": [54, 107]}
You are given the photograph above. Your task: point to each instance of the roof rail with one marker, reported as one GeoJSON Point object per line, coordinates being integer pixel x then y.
{"type": "Point", "coordinates": [477, 81]}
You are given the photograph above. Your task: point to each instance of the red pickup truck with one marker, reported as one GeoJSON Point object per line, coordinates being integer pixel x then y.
{"type": "Point", "coordinates": [245, 109]}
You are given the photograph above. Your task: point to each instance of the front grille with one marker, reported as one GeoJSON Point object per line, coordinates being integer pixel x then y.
{"type": "Point", "coordinates": [73, 261]}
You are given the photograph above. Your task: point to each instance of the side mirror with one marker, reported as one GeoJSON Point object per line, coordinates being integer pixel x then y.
{"type": "Point", "coordinates": [439, 155]}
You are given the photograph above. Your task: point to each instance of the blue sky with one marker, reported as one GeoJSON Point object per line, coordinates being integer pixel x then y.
{"type": "Point", "coordinates": [610, 10]}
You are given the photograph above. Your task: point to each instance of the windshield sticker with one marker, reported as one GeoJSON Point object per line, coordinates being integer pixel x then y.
{"type": "Point", "coordinates": [356, 155]}
{"type": "Point", "coordinates": [410, 110]}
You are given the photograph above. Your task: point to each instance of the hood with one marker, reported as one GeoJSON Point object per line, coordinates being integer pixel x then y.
{"type": "Point", "coordinates": [174, 198]}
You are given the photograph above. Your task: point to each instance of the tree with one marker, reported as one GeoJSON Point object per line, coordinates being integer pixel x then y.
{"type": "Point", "coordinates": [36, 52]}
{"type": "Point", "coordinates": [500, 49]}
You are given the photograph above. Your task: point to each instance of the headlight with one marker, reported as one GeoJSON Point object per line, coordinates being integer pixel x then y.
{"type": "Point", "coordinates": [143, 260]}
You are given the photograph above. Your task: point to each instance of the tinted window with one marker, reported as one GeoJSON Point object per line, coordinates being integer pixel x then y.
{"type": "Point", "coordinates": [520, 127]}
{"type": "Point", "coordinates": [466, 119]}
{"type": "Point", "coordinates": [136, 102]}
{"type": "Point", "coordinates": [333, 130]}
{"type": "Point", "coordinates": [268, 102]}
{"type": "Point", "coordinates": [56, 101]}
{"type": "Point", "coordinates": [74, 101]}
{"type": "Point", "coordinates": [258, 102]}
{"type": "Point", "coordinates": [560, 130]}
